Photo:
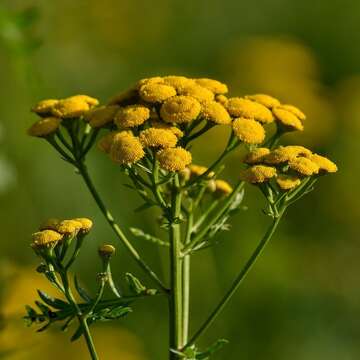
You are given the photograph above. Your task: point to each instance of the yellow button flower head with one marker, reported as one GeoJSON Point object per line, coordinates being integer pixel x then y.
{"type": "Point", "coordinates": [197, 170]}
{"type": "Point", "coordinates": [174, 159]}
{"type": "Point", "coordinates": [249, 131]}
{"type": "Point", "coordinates": [44, 127]}
{"type": "Point", "coordinates": [45, 238]}
{"type": "Point", "coordinates": [106, 250]}
{"type": "Point", "coordinates": [198, 92]}
{"type": "Point", "coordinates": [161, 125]}
{"type": "Point", "coordinates": [50, 224]}
{"type": "Point", "coordinates": [283, 154]}
{"type": "Point", "coordinates": [222, 99]}
{"type": "Point", "coordinates": [258, 174]}
{"type": "Point", "coordinates": [155, 93]}
{"type": "Point", "coordinates": [44, 107]}
{"type": "Point", "coordinates": [126, 148]}
{"type": "Point", "coordinates": [249, 109]}
{"type": "Point", "coordinates": [102, 115]}
{"type": "Point", "coordinates": [131, 116]}
{"type": "Point", "coordinates": [149, 81]}
{"type": "Point", "coordinates": [266, 100]}
{"type": "Point", "coordinates": [68, 227]}
{"type": "Point", "coordinates": [124, 97]}
{"type": "Point", "coordinates": [158, 138]}
{"type": "Point", "coordinates": [178, 82]}
{"type": "Point", "coordinates": [72, 107]}
{"type": "Point", "coordinates": [325, 165]}
{"type": "Point", "coordinates": [304, 166]}
{"type": "Point", "coordinates": [86, 224]}
{"type": "Point", "coordinates": [256, 156]}
{"type": "Point", "coordinates": [223, 188]}
{"type": "Point", "coordinates": [215, 112]}
{"type": "Point", "coordinates": [288, 120]}
{"type": "Point", "coordinates": [214, 86]}
{"type": "Point", "coordinates": [294, 110]}
{"type": "Point", "coordinates": [88, 99]}
{"type": "Point", "coordinates": [106, 141]}
{"type": "Point", "coordinates": [180, 109]}
{"type": "Point", "coordinates": [287, 182]}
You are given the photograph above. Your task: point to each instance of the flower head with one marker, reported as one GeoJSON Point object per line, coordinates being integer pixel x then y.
{"type": "Point", "coordinates": [196, 91]}
{"type": "Point", "coordinates": [222, 188]}
{"type": "Point", "coordinates": [325, 165]}
{"type": "Point", "coordinates": [106, 251]}
{"type": "Point", "coordinates": [174, 159]}
{"type": "Point", "coordinates": [246, 108]}
{"type": "Point", "coordinates": [131, 116]}
{"type": "Point", "coordinates": [215, 112]}
{"type": "Point", "coordinates": [222, 99]}
{"type": "Point", "coordinates": [126, 148]}
{"type": "Point", "coordinates": [161, 125]}
{"type": "Point", "coordinates": [214, 86]}
{"type": "Point", "coordinates": [68, 227]}
{"type": "Point", "coordinates": [86, 224]}
{"type": "Point", "coordinates": [158, 138]}
{"type": "Point", "coordinates": [248, 130]}
{"type": "Point", "coordinates": [178, 82]}
{"type": "Point", "coordinates": [44, 127]}
{"type": "Point", "coordinates": [106, 141]}
{"type": "Point", "coordinates": [45, 238]}
{"type": "Point", "coordinates": [102, 115]}
{"type": "Point", "coordinates": [283, 154]}
{"type": "Point", "coordinates": [266, 100]}
{"type": "Point", "coordinates": [198, 170]}
{"type": "Point", "coordinates": [72, 107]}
{"type": "Point", "coordinates": [258, 174]}
{"type": "Point", "coordinates": [155, 93]}
{"type": "Point", "coordinates": [294, 110]}
{"type": "Point", "coordinates": [256, 156]}
{"type": "Point", "coordinates": [44, 107]}
{"type": "Point", "coordinates": [180, 109]}
{"type": "Point", "coordinates": [287, 119]}
{"type": "Point", "coordinates": [304, 166]}
{"type": "Point", "coordinates": [287, 182]}
{"type": "Point", "coordinates": [149, 81]}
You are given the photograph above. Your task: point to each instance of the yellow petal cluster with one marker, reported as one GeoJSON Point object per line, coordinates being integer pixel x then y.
{"type": "Point", "coordinates": [44, 107]}
{"type": "Point", "coordinates": [106, 250]}
{"type": "Point", "coordinates": [258, 174]}
{"type": "Point", "coordinates": [126, 148]}
{"type": "Point", "coordinates": [68, 227]}
{"type": "Point", "coordinates": [198, 92]}
{"type": "Point", "coordinates": [155, 93]}
{"type": "Point", "coordinates": [44, 127]}
{"type": "Point", "coordinates": [288, 120]}
{"type": "Point", "coordinates": [256, 156]}
{"type": "Point", "coordinates": [174, 159]}
{"type": "Point", "coordinates": [106, 141]}
{"type": "Point", "coordinates": [215, 112]}
{"type": "Point", "coordinates": [198, 170]}
{"type": "Point", "coordinates": [287, 182]}
{"type": "Point", "coordinates": [86, 224]}
{"type": "Point", "coordinates": [263, 99]}
{"type": "Point", "coordinates": [180, 109]}
{"type": "Point", "coordinates": [248, 130]}
{"type": "Point", "coordinates": [304, 166]}
{"type": "Point", "coordinates": [45, 238]}
{"type": "Point", "coordinates": [222, 188]}
{"type": "Point", "coordinates": [285, 153]}
{"type": "Point", "coordinates": [101, 116]}
{"type": "Point", "coordinates": [325, 165]}
{"type": "Point", "coordinates": [161, 125]}
{"type": "Point", "coordinates": [214, 86]}
{"type": "Point", "coordinates": [131, 116]}
{"type": "Point", "coordinates": [158, 138]}
{"type": "Point", "coordinates": [73, 107]}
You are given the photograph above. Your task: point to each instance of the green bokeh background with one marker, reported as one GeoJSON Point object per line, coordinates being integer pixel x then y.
{"type": "Point", "coordinates": [302, 301]}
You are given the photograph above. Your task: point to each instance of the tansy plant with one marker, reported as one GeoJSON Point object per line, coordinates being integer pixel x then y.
{"type": "Point", "coordinates": [147, 132]}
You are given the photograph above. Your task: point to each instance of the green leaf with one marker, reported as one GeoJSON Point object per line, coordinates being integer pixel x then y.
{"type": "Point", "coordinates": [143, 207]}
{"type": "Point", "coordinates": [118, 312]}
{"type": "Point", "coordinates": [77, 334]}
{"type": "Point", "coordinates": [134, 284]}
{"type": "Point", "coordinates": [55, 303]}
{"type": "Point", "coordinates": [81, 291]}
{"type": "Point", "coordinates": [153, 239]}
{"type": "Point", "coordinates": [44, 309]}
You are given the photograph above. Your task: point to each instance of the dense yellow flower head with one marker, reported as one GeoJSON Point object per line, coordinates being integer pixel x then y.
{"type": "Point", "coordinates": [180, 109]}
{"type": "Point", "coordinates": [222, 188]}
{"type": "Point", "coordinates": [102, 115]}
{"type": "Point", "coordinates": [198, 170]}
{"type": "Point", "coordinates": [215, 112]}
{"type": "Point", "coordinates": [263, 99]}
{"type": "Point", "coordinates": [222, 99]}
{"type": "Point", "coordinates": [123, 97]}
{"type": "Point", "coordinates": [68, 227]}
{"type": "Point", "coordinates": [285, 153]}
{"type": "Point", "coordinates": [50, 224]}
{"type": "Point", "coordinates": [149, 81]}
{"type": "Point", "coordinates": [126, 148]}
{"type": "Point", "coordinates": [131, 116]}
{"type": "Point", "coordinates": [161, 125]}
{"type": "Point", "coordinates": [88, 99]}
{"type": "Point", "coordinates": [198, 92]}
{"type": "Point", "coordinates": [246, 108]}
{"type": "Point", "coordinates": [294, 110]}
{"type": "Point", "coordinates": [287, 182]}
{"type": "Point", "coordinates": [258, 174]}
{"type": "Point", "coordinates": [256, 156]}
{"type": "Point", "coordinates": [214, 86]}
{"type": "Point", "coordinates": [44, 127]}
{"type": "Point", "coordinates": [44, 107]}
{"type": "Point", "coordinates": [72, 107]}
{"type": "Point", "coordinates": [106, 250]}
{"type": "Point", "coordinates": [249, 131]}
{"type": "Point", "coordinates": [155, 93]}
{"type": "Point", "coordinates": [156, 138]}
{"type": "Point", "coordinates": [325, 165]}
{"type": "Point", "coordinates": [45, 238]}
{"type": "Point", "coordinates": [86, 224]}
{"type": "Point", "coordinates": [288, 120]}
{"type": "Point", "coordinates": [304, 166]}
{"type": "Point", "coordinates": [106, 141]}
{"type": "Point", "coordinates": [178, 82]}
{"type": "Point", "coordinates": [174, 159]}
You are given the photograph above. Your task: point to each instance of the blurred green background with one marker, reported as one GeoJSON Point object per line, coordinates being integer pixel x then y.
{"type": "Point", "coordinates": [302, 301]}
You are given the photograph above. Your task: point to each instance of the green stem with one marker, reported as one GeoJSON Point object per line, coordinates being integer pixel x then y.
{"type": "Point", "coordinates": [110, 219]}
{"type": "Point", "coordinates": [239, 279]}
{"type": "Point", "coordinates": [175, 301]}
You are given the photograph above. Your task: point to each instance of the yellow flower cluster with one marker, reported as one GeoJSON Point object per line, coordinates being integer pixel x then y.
{"type": "Point", "coordinates": [287, 163]}
{"type": "Point", "coordinates": [53, 111]}
{"type": "Point", "coordinates": [53, 230]}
